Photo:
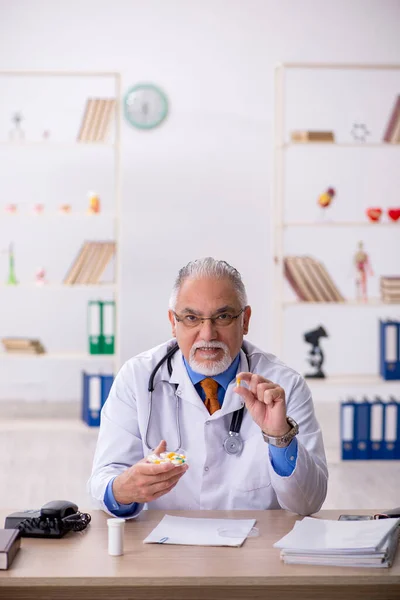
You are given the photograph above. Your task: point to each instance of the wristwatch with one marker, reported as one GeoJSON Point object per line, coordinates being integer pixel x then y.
{"type": "Point", "coordinates": [283, 440]}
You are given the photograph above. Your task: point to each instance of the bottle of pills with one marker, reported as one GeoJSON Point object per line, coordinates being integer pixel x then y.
{"type": "Point", "coordinates": [116, 529]}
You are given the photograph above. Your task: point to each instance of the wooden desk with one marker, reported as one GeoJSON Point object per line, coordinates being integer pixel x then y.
{"type": "Point", "coordinates": [79, 567]}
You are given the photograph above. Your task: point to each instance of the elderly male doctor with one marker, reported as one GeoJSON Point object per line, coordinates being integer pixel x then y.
{"type": "Point", "coordinates": [257, 446]}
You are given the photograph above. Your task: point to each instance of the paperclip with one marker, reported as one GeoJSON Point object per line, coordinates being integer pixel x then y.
{"type": "Point", "coordinates": [162, 540]}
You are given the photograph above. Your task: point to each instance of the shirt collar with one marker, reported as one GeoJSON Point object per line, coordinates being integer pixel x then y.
{"type": "Point", "coordinates": [223, 379]}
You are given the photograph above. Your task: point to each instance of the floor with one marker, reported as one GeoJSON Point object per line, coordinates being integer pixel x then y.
{"type": "Point", "coordinates": [46, 454]}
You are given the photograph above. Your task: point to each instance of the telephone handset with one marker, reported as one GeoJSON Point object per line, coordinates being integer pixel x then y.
{"type": "Point", "coordinates": [53, 520]}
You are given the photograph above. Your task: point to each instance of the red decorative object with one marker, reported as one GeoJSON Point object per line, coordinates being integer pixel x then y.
{"type": "Point", "coordinates": [394, 214]}
{"type": "Point", "coordinates": [374, 214]}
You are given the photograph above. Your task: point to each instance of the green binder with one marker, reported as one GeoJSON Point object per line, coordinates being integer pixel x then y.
{"type": "Point", "coordinates": [108, 327]}
{"type": "Point", "coordinates": [95, 319]}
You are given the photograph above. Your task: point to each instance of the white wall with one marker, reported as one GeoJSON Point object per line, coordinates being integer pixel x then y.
{"type": "Point", "coordinates": [200, 184]}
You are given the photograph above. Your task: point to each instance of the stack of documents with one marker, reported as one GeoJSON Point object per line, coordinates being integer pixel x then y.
{"type": "Point", "coordinates": [341, 543]}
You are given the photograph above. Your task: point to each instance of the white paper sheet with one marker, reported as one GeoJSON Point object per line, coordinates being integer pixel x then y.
{"type": "Point", "coordinates": [200, 532]}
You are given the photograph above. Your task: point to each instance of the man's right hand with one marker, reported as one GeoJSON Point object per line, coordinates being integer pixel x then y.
{"type": "Point", "coordinates": [144, 482]}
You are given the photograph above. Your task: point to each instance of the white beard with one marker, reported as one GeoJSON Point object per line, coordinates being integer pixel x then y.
{"type": "Point", "coordinates": [211, 367]}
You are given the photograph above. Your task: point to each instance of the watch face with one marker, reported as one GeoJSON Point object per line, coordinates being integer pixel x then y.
{"type": "Point", "coordinates": [145, 106]}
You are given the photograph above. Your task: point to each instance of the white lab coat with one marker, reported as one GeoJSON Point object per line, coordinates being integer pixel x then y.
{"type": "Point", "coordinates": [215, 479]}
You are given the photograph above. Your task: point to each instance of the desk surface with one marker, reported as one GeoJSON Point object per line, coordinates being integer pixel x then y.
{"type": "Point", "coordinates": [78, 566]}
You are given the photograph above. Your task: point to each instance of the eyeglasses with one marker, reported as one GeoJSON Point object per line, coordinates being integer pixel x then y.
{"type": "Point", "coordinates": [221, 320]}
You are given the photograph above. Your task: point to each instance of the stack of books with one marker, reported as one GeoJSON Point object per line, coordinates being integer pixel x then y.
{"type": "Point", "coordinates": [392, 132]}
{"type": "Point", "coordinates": [313, 541]}
{"type": "Point", "coordinates": [310, 280]}
{"type": "Point", "coordinates": [97, 119]}
{"type": "Point", "coordinates": [23, 346]}
{"type": "Point", "coordinates": [90, 263]}
{"type": "Point", "coordinates": [390, 289]}
{"type": "Point", "coordinates": [312, 136]}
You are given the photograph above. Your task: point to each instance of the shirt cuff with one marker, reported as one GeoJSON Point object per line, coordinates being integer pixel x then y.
{"type": "Point", "coordinates": [117, 509]}
{"type": "Point", "coordinates": [284, 460]}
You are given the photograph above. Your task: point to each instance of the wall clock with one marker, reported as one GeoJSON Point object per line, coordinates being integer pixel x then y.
{"type": "Point", "coordinates": [145, 106]}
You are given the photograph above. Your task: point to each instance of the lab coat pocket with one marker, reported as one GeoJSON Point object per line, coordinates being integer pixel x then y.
{"type": "Point", "coordinates": [252, 471]}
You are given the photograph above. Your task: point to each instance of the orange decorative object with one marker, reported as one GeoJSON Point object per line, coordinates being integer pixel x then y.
{"type": "Point", "coordinates": [326, 198]}
{"type": "Point", "coordinates": [394, 214]}
{"type": "Point", "coordinates": [94, 203]}
{"type": "Point", "coordinates": [374, 214]}
{"type": "Point", "coordinates": [65, 208]}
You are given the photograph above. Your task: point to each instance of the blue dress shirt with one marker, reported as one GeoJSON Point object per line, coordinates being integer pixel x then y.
{"type": "Point", "coordinates": [283, 460]}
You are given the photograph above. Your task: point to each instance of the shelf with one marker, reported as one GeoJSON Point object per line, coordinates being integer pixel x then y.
{"type": "Point", "coordinates": [345, 380]}
{"type": "Point", "coordinates": [57, 215]}
{"type": "Point", "coordinates": [371, 302]}
{"type": "Point", "coordinates": [341, 224]}
{"type": "Point", "coordinates": [73, 356]}
{"type": "Point", "coordinates": [60, 286]}
{"type": "Point", "coordinates": [340, 144]}
{"type": "Point", "coordinates": [43, 143]}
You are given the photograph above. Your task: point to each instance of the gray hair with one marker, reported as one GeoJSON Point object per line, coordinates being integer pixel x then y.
{"type": "Point", "coordinates": [211, 268]}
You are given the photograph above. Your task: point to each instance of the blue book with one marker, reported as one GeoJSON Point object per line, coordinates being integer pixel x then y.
{"type": "Point", "coordinates": [362, 420]}
{"type": "Point", "coordinates": [376, 429]}
{"type": "Point", "coordinates": [389, 335]}
{"type": "Point", "coordinates": [391, 430]}
{"type": "Point", "coordinates": [347, 410]}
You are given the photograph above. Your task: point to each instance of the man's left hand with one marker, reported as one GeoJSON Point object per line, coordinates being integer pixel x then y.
{"type": "Point", "coordinates": [266, 403]}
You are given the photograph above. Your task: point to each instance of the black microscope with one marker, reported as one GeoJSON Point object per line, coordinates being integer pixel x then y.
{"type": "Point", "coordinates": [316, 356]}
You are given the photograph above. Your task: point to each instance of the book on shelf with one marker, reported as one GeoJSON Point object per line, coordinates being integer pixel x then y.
{"type": "Point", "coordinates": [310, 280]}
{"type": "Point", "coordinates": [96, 120]}
{"type": "Point", "coordinates": [10, 543]}
{"type": "Point", "coordinates": [18, 345]}
{"type": "Point", "coordinates": [390, 289]}
{"type": "Point", "coordinates": [312, 136]}
{"type": "Point", "coordinates": [392, 132]}
{"type": "Point", "coordinates": [390, 281]}
{"type": "Point", "coordinates": [90, 263]}
{"type": "Point", "coordinates": [369, 543]}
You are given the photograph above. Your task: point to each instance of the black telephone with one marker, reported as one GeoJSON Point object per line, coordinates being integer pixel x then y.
{"type": "Point", "coordinates": [53, 520]}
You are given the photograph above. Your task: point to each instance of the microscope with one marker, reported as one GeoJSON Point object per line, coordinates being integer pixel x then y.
{"type": "Point", "coordinates": [316, 356]}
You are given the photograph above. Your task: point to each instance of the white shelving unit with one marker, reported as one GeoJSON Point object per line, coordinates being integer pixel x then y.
{"type": "Point", "coordinates": [280, 225]}
{"type": "Point", "coordinates": [40, 147]}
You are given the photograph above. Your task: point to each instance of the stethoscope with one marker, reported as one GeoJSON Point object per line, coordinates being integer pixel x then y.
{"type": "Point", "coordinates": [233, 443]}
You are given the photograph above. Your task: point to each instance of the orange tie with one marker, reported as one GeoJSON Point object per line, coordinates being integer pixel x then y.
{"type": "Point", "coordinates": [210, 387]}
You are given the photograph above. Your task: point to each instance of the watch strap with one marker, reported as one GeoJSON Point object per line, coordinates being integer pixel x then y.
{"type": "Point", "coordinates": [283, 440]}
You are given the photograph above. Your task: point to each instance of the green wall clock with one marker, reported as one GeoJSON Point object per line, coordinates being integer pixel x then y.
{"type": "Point", "coordinates": [145, 106]}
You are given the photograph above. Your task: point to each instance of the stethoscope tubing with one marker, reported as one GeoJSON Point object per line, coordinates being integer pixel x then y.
{"type": "Point", "coordinates": [237, 417]}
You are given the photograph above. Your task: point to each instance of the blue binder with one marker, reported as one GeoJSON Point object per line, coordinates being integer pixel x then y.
{"type": "Point", "coordinates": [362, 426]}
{"type": "Point", "coordinates": [389, 335]}
{"type": "Point", "coordinates": [347, 429]}
{"type": "Point", "coordinates": [391, 430]}
{"type": "Point", "coordinates": [94, 394]}
{"type": "Point", "coordinates": [376, 429]}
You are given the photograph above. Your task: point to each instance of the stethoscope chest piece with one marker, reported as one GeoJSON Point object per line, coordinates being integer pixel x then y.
{"type": "Point", "coordinates": [233, 444]}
